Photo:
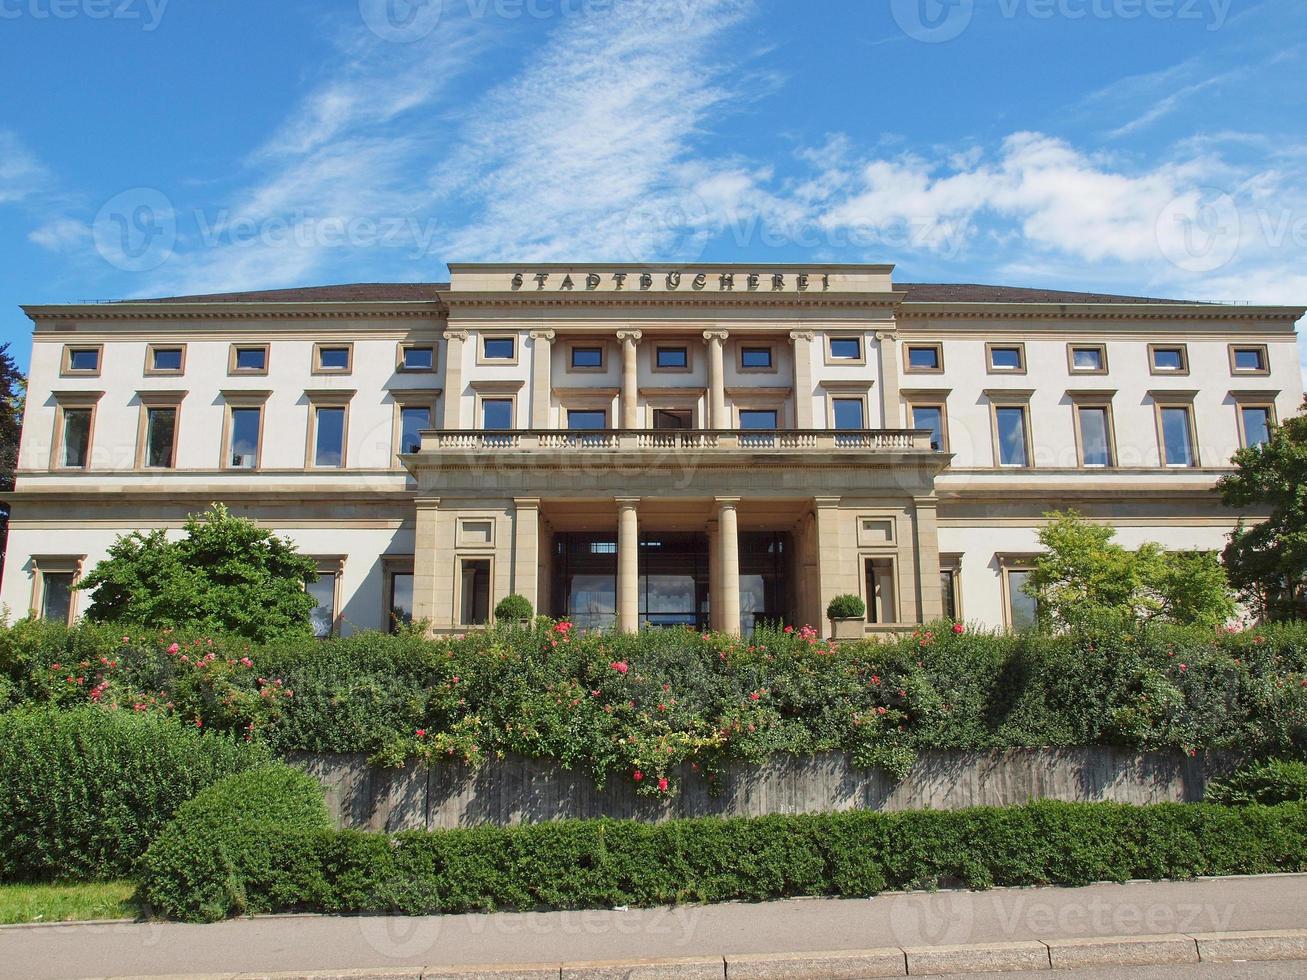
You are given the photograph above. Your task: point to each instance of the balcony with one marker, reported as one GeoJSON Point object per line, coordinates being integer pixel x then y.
{"type": "Point", "coordinates": [601, 441]}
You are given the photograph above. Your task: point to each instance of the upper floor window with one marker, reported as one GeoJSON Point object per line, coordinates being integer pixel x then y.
{"type": "Point", "coordinates": [329, 435]}
{"type": "Point", "coordinates": [499, 348]}
{"type": "Point", "coordinates": [246, 426]}
{"type": "Point", "coordinates": [1175, 429]}
{"type": "Point", "coordinates": [332, 358]}
{"type": "Point", "coordinates": [1168, 360]}
{"type": "Point", "coordinates": [497, 413]}
{"type": "Point", "coordinates": [584, 418]}
{"type": "Point", "coordinates": [248, 359]}
{"type": "Point", "coordinates": [844, 348]}
{"type": "Point", "coordinates": [755, 358]}
{"type": "Point", "coordinates": [587, 357]}
{"type": "Point", "coordinates": [417, 357]}
{"type": "Point", "coordinates": [165, 360]}
{"type": "Point", "coordinates": [159, 447]}
{"type": "Point", "coordinates": [1087, 358]}
{"type": "Point", "coordinates": [930, 417]}
{"type": "Point", "coordinates": [758, 418]}
{"type": "Point", "coordinates": [1006, 358]}
{"type": "Point", "coordinates": [412, 420]}
{"type": "Point", "coordinates": [848, 413]}
{"type": "Point", "coordinates": [82, 360]}
{"type": "Point", "coordinates": [1094, 432]}
{"type": "Point", "coordinates": [673, 418]}
{"type": "Point", "coordinates": [1254, 425]}
{"type": "Point", "coordinates": [1011, 427]}
{"type": "Point", "coordinates": [1249, 359]}
{"type": "Point", "coordinates": [76, 438]}
{"type": "Point", "coordinates": [672, 358]}
{"type": "Point", "coordinates": [924, 358]}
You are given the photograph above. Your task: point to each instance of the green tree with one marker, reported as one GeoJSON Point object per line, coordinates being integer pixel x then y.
{"type": "Point", "coordinates": [1083, 573]}
{"type": "Point", "coordinates": [1267, 560]}
{"type": "Point", "coordinates": [13, 392]}
{"type": "Point", "coordinates": [226, 575]}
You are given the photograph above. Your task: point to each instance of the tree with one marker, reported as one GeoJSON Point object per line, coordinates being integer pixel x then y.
{"type": "Point", "coordinates": [13, 391]}
{"type": "Point", "coordinates": [226, 575]}
{"type": "Point", "coordinates": [1083, 574]}
{"type": "Point", "coordinates": [1267, 561]}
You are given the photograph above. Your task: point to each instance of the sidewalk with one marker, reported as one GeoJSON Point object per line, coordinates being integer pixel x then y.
{"type": "Point", "coordinates": [281, 944]}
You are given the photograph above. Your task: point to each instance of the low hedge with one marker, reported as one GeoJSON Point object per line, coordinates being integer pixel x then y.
{"type": "Point", "coordinates": [1269, 781]}
{"type": "Point", "coordinates": [84, 791]}
{"type": "Point", "coordinates": [602, 863]}
{"type": "Point", "coordinates": [197, 864]}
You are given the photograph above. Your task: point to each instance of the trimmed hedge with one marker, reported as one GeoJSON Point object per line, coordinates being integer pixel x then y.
{"type": "Point", "coordinates": [1270, 782]}
{"type": "Point", "coordinates": [84, 791]}
{"type": "Point", "coordinates": [197, 866]}
{"type": "Point", "coordinates": [602, 863]}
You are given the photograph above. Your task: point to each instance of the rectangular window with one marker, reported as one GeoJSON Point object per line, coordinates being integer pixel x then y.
{"type": "Point", "coordinates": [1168, 360]}
{"type": "Point", "coordinates": [76, 438]}
{"type": "Point", "coordinates": [332, 360]}
{"type": "Point", "coordinates": [497, 413]}
{"type": "Point", "coordinates": [476, 591]}
{"type": "Point", "coordinates": [1095, 440]}
{"type": "Point", "coordinates": [400, 600]}
{"type": "Point", "coordinates": [672, 358]}
{"type": "Point", "coordinates": [925, 358]}
{"type": "Point", "coordinates": [1090, 359]}
{"type": "Point", "coordinates": [1010, 421]}
{"type": "Point", "coordinates": [417, 358]}
{"type": "Point", "coordinates": [56, 596]}
{"type": "Point", "coordinates": [587, 419]}
{"type": "Point", "coordinates": [323, 615]}
{"type": "Point", "coordinates": [1177, 436]}
{"type": "Point", "coordinates": [930, 417]}
{"type": "Point", "coordinates": [948, 592]}
{"type": "Point", "coordinates": [1021, 607]}
{"type": "Point", "coordinates": [879, 585]}
{"type": "Point", "coordinates": [1007, 358]}
{"type": "Point", "coordinates": [329, 436]}
{"type": "Point", "coordinates": [1256, 424]}
{"type": "Point", "coordinates": [755, 358]}
{"type": "Point", "coordinates": [166, 360]}
{"type": "Point", "coordinates": [81, 360]}
{"type": "Point", "coordinates": [588, 358]}
{"type": "Point", "coordinates": [672, 418]}
{"type": "Point", "coordinates": [1249, 360]}
{"type": "Point", "coordinates": [498, 348]}
{"type": "Point", "coordinates": [848, 413]}
{"type": "Point", "coordinates": [412, 420]}
{"type": "Point", "coordinates": [758, 419]}
{"type": "Point", "coordinates": [845, 349]}
{"type": "Point", "coordinates": [160, 437]}
{"type": "Point", "coordinates": [245, 425]}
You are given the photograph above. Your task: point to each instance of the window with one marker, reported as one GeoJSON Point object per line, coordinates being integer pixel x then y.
{"type": "Point", "coordinates": [165, 360]}
{"type": "Point", "coordinates": [76, 438]}
{"type": "Point", "coordinates": [322, 617]}
{"type": "Point", "coordinates": [755, 358]}
{"type": "Point", "coordinates": [332, 358]}
{"type": "Point", "coordinates": [160, 436]}
{"type": "Point", "coordinates": [248, 359]}
{"type": "Point", "coordinates": [400, 600]}
{"type": "Point", "coordinates": [497, 413]}
{"type": "Point", "coordinates": [673, 418]}
{"type": "Point", "coordinates": [1168, 360]}
{"type": "Point", "coordinates": [417, 357]}
{"type": "Point", "coordinates": [329, 435]}
{"type": "Point", "coordinates": [848, 413]}
{"type": "Point", "coordinates": [246, 429]}
{"type": "Point", "coordinates": [1095, 435]}
{"type": "Point", "coordinates": [924, 358]}
{"type": "Point", "coordinates": [1022, 610]}
{"type": "Point", "coordinates": [1249, 360]}
{"type": "Point", "coordinates": [1255, 424]}
{"type": "Point", "coordinates": [53, 586]}
{"type": "Point", "coordinates": [930, 417]}
{"type": "Point", "coordinates": [1012, 434]}
{"type": "Point", "coordinates": [1006, 358]}
{"type": "Point", "coordinates": [672, 358]}
{"type": "Point", "coordinates": [1087, 358]}
{"type": "Point", "coordinates": [587, 358]}
{"type": "Point", "coordinates": [758, 418]}
{"type": "Point", "coordinates": [587, 419]}
{"type": "Point", "coordinates": [499, 348]}
{"type": "Point", "coordinates": [1176, 425]}
{"type": "Point", "coordinates": [879, 585]}
{"type": "Point", "coordinates": [949, 577]}
{"type": "Point", "coordinates": [475, 585]}
{"type": "Point", "coordinates": [845, 348]}
{"type": "Point", "coordinates": [81, 361]}
{"type": "Point", "coordinates": [412, 420]}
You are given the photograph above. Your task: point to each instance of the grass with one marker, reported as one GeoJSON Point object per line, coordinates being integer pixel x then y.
{"type": "Point", "coordinates": [76, 902]}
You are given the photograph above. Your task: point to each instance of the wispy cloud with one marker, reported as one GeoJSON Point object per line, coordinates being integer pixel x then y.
{"type": "Point", "coordinates": [21, 173]}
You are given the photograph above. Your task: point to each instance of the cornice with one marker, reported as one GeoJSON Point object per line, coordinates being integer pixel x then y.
{"type": "Point", "coordinates": [634, 298]}
{"type": "Point", "coordinates": [118, 312]}
{"type": "Point", "coordinates": [1096, 311]}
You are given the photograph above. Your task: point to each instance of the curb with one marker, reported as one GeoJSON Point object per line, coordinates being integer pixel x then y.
{"type": "Point", "coordinates": [851, 964]}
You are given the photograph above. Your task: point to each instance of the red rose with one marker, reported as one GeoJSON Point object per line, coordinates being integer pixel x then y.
{"type": "Point", "coordinates": [662, 784]}
{"type": "Point", "coordinates": [620, 666]}
{"type": "Point", "coordinates": [958, 629]}
{"type": "Point", "coordinates": [421, 733]}
{"type": "Point", "coordinates": [637, 775]}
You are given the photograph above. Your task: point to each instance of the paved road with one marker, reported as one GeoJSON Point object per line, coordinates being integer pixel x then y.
{"type": "Point", "coordinates": [285, 943]}
{"type": "Point", "coordinates": [1291, 970]}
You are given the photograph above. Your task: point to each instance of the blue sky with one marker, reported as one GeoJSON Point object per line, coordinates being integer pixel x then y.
{"type": "Point", "coordinates": [156, 147]}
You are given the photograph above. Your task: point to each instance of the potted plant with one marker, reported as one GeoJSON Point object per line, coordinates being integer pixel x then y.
{"type": "Point", "coordinates": [513, 609]}
{"type": "Point", "coordinates": [847, 617]}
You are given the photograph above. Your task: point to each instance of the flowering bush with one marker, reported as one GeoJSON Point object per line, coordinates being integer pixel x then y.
{"type": "Point", "coordinates": [665, 700]}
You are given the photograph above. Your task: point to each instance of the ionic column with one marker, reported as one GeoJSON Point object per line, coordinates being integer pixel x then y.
{"type": "Point", "coordinates": [629, 339]}
{"type": "Point", "coordinates": [802, 341]}
{"type": "Point", "coordinates": [717, 378]}
{"type": "Point", "coordinates": [891, 411]}
{"type": "Point", "coordinates": [628, 565]}
{"type": "Point", "coordinates": [452, 417]}
{"type": "Point", "coordinates": [526, 549]}
{"type": "Point", "coordinates": [927, 529]}
{"type": "Point", "coordinates": [424, 560]}
{"type": "Point", "coordinates": [541, 367]}
{"type": "Point", "coordinates": [728, 534]}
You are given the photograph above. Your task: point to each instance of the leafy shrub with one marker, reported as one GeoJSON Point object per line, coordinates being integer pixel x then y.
{"type": "Point", "coordinates": [601, 863]}
{"type": "Point", "coordinates": [513, 608]}
{"type": "Point", "coordinates": [846, 607]}
{"type": "Point", "coordinates": [1272, 781]}
{"type": "Point", "coordinates": [82, 792]}
{"type": "Point", "coordinates": [196, 867]}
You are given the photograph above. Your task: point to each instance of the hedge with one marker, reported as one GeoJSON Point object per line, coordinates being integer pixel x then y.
{"type": "Point", "coordinates": [84, 791]}
{"type": "Point", "coordinates": [602, 863]}
{"type": "Point", "coordinates": [614, 705]}
{"type": "Point", "coordinates": [1269, 781]}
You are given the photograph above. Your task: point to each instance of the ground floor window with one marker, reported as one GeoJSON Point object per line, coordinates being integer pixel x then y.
{"type": "Point", "coordinates": [882, 605]}
{"type": "Point", "coordinates": [475, 595]}
{"type": "Point", "coordinates": [400, 600]}
{"type": "Point", "coordinates": [1022, 611]}
{"type": "Point", "coordinates": [948, 592]}
{"type": "Point", "coordinates": [53, 581]}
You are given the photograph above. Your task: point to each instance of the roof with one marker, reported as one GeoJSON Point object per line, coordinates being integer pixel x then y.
{"type": "Point", "coordinates": [918, 292]}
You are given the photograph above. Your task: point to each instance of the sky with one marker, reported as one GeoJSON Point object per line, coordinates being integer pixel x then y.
{"type": "Point", "coordinates": [165, 147]}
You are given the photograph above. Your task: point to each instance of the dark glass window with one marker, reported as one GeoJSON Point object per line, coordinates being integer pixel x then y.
{"type": "Point", "coordinates": [930, 417]}
{"type": "Point", "coordinates": [587, 357]}
{"type": "Point", "coordinates": [56, 596]}
{"type": "Point", "coordinates": [245, 437]}
{"type": "Point", "coordinates": [401, 599]}
{"type": "Point", "coordinates": [329, 438]}
{"type": "Point", "coordinates": [948, 592]}
{"type": "Point", "coordinates": [323, 615]}
{"type": "Point", "coordinates": [668, 418]}
{"type": "Point", "coordinates": [476, 591]}
{"type": "Point", "coordinates": [1177, 444]}
{"type": "Point", "coordinates": [1168, 359]}
{"type": "Point", "coordinates": [586, 419]}
{"type": "Point", "coordinates": [1022, 608]}
{"type": "Point", "coordinates": [251, 359]}
{"type": "Point", "coordinates": [1005, 358]}
{"type": "Point", "coordinates": [84, 359]}
{"type": "Point", "coordinates": [1094, 442]}
{"type": "Point", "coordinates": [1011, 421]}
{"type": "Point", "coordinates": [846, 348]}
{"type": "Point", "coordinates": [1256, 425]}
{"type": "Point", "coordinates": [673, 357]}
{"type": "Point", "coordinates": [923, 358]}
{"type": "Point", "coordinates": [497, 413]}
{"type": "Point", "coordinates": [1249, 359]}
{"type": "Point", "coordinates": [333, 358]}
{"type": "Point", "coordinates": [752, 418]}
{"type": "Point", "coordinates": [77, 437]}
{"type": "Point", "coordinates": [1087, 358]}
{"type": "Point", "coordinates": [498, 348]}
{"type": "Point", "coordinates": [755, 357]}
{"type": "Point", "coordinates": [166, 359]}
{"type": "Point", "coordinates": [849, 414]}
{"type": "Point", "coordinates": [412, 420]}
{"type": "Point", "coordinates": [419, 358]}
{"type": "Point", "coordinates": [160, 437]}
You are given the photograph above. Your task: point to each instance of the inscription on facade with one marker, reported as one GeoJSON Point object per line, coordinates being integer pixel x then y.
{"type": "Point", "coordinates": [673, 281]}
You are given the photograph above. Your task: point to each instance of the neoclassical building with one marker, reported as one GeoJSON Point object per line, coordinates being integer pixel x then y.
{"type": "Point", "coordinates": [629, 446]}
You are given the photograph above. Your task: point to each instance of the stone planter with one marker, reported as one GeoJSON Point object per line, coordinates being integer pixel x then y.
{"type": "Point", "coordinates": [848, 629]}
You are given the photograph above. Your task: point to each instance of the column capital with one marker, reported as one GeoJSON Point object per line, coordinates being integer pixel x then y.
{"type": "Point", "coordinates": [459, 335]}
{"type": "Point", "coordinates": [715, 335]}
{"type": "Point", "coordinates": [796, 335]}
{"type": "Point", "coordinates": [631, 336]}
{"type": "Point", "coordinates": [427, 503]}
{"type": "Point", "coordinates": [545, 335]}
{"type": "Point", "coordinates": [887, 336]}
{"type": "Point", "coordinates": [826, 502]}
{"type": "Point", "coordinates": [727, 501]}
{"type": "Point", "coordinates": [533, 502]}
{"type": "Point", "coordinates": [627, 503]}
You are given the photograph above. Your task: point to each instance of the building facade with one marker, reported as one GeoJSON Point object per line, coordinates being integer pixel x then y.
{"type": "Point", "coordinates": [710, 446]}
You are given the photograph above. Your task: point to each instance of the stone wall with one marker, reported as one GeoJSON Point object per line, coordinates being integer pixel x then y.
{"type": "Point", "coordinates": [517, 790]}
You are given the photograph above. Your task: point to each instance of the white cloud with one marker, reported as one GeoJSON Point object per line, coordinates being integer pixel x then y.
{"type": "Point", "coordinates": [21, 173]}
{"type": "Point", "coordinates": [61, 234]}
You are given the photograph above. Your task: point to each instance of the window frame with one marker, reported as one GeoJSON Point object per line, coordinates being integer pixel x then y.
{"type": "Point", "coordinates": [75, 400]}
{"type": "Point", "coordinates": [239, 372]}
{"type": "Point", "coordinates": [928, 398]}
{"type": "Point", "coordinates": [591, 410]}
{"type": "Point", "coordinates": [460, 560]}
{"type": "Point", "coordinates": [1262, 372]}
{"type": "Point", "coordinates": [1001, 398]}
{"type": "Point", "coordinates": [320, 346]}
{"type": "Point", "coordinates": [66, 369]}
{"type": "Point", "coordinates": [405, 345]}
{"type": "Point", "coordinates": [828, 348]}
{"type": "Point", "coordinates": [755, 345]}
{"type": "Point", "coordinates": [1253, 399]}
{"type": "Point", "coordinates": [910, 346]}
{"type": "Point", "coordinates": [233, 400]}
{"type": "Point", "coordinates": [1074, 346]}
{"type": "Point", "coordinates": [1176, 399]}
{"type": "Point", "coordinates": [952, 563]}
{"type": "Point", "coordinates": [43, 565]}
{"type": "Point", "coordinates": [869, 601]}
{"type": "Point", "coordinates": [571, 367]}
{"type": "Point", "coordinates": [852, 396]}
{"type": "Point", "coordinates": [334, 566]}
{"type": "Point", "coordinates": [329, 398]}
{"type": "Point", "coordinates": [484, 361]}
{"type": "Point", "coordinates": [391, 566]}
{"type": "Point", "coordinates": [1007, 564]}
{"type": "Point", "coordinates": [1094, 400]}
{"type": "Point", "coordinates": [657, 346]}
{"type": "Point", "coordinates": [992, 345]}
{"type": "Point", "coordinates": [1179, 372]}
{"type": "Point", "coordinates": [150, 371]}
{"type": "Point", "coordinates": [149, 401]}
{"type": "Point", "coordinates": [417, 398]}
